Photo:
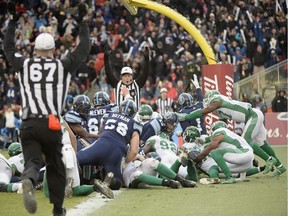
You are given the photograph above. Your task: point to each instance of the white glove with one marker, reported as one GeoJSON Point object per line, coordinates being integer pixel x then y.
{"type": "Point", "coordinates": [195, 81]}
{"type": "Point", "coordinates": [124, 164]}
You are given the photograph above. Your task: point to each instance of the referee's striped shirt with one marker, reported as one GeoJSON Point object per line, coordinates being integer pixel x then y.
{"type": "Point", "coordinates": [43, 85]}
{"type": "Point", "coordinates": [164, 106]}
{"type": "Point", "coordinates": [134, 93]}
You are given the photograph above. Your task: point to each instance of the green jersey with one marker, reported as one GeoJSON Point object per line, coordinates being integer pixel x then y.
{"type": "Point", "coordinates": [232, 109]}
{"type": "Point", "coordinates": [231, 140]}
{"type": "Point", "coordinates": [17, 162]}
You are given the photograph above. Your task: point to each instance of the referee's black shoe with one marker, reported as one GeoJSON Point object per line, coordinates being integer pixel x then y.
{"type": "Point", "coordinates": [28, 196]}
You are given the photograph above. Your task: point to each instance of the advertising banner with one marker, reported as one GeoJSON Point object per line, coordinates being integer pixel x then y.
{"type": "Point", "coordinates": [276, 126]}
{"type": "Point", "coordinates": [217, 77]}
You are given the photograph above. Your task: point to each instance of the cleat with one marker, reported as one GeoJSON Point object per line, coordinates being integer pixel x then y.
{"type": "Point", "coordinates": [230, 180]}
{"type": "Point", "coordinates": [279, 171]}
{"type": "Point", "coordinates": [269, 165]}
{"type": "Point", "coordinates": [68, 187]}
{"type": "Point", "coordinates": [108, 179]}
{"type": "Point", "coordinates": [103, 188]}
{"type": "Point", "coordinates": [174, 184]}
{"type": "Point", "coordinates": [188, 183]}
{"type": "Point", "coordinates": [28, 196]}
{"type": "Point", "coordinates": [59, 212]}
{"type": "Point", "coordinates": [206, 181]}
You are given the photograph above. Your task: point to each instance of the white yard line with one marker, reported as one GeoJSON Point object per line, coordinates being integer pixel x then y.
{"type": "Point", "coordinates": [91, 205]}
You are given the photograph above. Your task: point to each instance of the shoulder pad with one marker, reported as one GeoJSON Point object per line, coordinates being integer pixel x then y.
{"type": "Point", "coordinates": [73, 117]}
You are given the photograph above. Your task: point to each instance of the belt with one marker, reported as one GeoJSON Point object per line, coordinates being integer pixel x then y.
{"type": "Point", "coordinates": [37, 116]}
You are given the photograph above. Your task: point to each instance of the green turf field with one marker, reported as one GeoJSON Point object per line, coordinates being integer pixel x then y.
{"type": "Point", "coordinates": [262, 195]}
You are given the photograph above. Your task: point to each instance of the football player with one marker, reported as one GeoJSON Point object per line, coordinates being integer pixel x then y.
{"type": "Point", "coordinates": [167, 151]}
{"type": "Point", "coordinates": [145, 114]}
{"type": "Point", "coordinates": [6, 172]}
{"type": "Point", "coordinates": [77, 121]}
{"type": "Point", "coordinates": [118, 129]}
{"type": "Point", "coordinates": [73, 187]}
{"type": "Point", "coordinates": [254, 131]}
{"type": "Point", "coordinates": [166, 124]}
{"type": "Point", "coordinates": [227, 147]}
{"type": "Point", "coordinates": [187, 105]}
{"type": "Point", "coordinates": [146, 171]}
{"type": "Point", "coordinates": [101, 102]}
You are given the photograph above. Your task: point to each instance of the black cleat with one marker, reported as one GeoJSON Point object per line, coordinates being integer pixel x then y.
{"type": "Point", "coordinates": [28, 196]}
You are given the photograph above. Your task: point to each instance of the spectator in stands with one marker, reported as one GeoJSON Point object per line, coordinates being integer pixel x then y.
{"type": "Point", "coordinates": [279, 103]}
{"type": "Point", "coordinates": [257, 102]}
{"type": "Point", "coordinates": [259, 59]}
{"type": "Point", "coordinates": [10, 122]}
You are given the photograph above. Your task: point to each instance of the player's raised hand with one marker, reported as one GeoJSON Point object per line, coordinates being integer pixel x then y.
{"type": "Point", "coordinates": [11, 8]}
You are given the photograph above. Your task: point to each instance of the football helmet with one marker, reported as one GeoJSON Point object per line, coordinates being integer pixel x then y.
{"type": "Point", "coordinates": [170, 120]}
{"type": "Point", "coordinates": [145, 112]}
{"type": "Point", "coordinates": [14, 149]}
{"type": "Point", "coordinates": [218, 124]}
{"type": "Point", "coordinates": [190, 134]}
{"type": "Point", "coordinates": [128, 107]}
{"type": "Point", "coordinates": [101, 98]}
{"type": "Point", "coordinates": [82, 104]}
{"type": "Point", "coordinates": [185, 100]}
{"type": "Point", "coordinates": [209, 94]}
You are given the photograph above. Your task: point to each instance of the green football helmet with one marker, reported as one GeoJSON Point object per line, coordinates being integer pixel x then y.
{"type": "Point", "coordinates": [218, 124]}
{"type": "Point", "coordinates": [190, 134]}
{"type": "Point", "coordinates": [210, 94]}
{"type": "Point", "coordinates": [145, 112]}
{"type": "Point", "coordinates": [14, 149]}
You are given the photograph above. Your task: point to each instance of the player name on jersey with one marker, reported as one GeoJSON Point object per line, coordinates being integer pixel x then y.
{"type": "Point", "coordinates": [115, 115]}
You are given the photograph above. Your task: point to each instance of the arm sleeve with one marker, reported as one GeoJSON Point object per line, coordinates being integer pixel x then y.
{"type": "Point", "coordinates": [15, 59]}
{"type": "Point", "coordinates": [111, 78]}
{"type": "Point", "coordinates": [141, 80]}
{"type": "Point", "coordinates": [199, 94]}
{"type": "Point", "coordinates": [72, 60]}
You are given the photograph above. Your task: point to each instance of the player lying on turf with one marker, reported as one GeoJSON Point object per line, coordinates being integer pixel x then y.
{"type": "Point", "coordinates": [138, 172]}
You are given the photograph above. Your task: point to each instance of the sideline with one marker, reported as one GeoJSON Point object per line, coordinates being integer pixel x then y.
{"type": "Point", "coordinates": [92, 204]}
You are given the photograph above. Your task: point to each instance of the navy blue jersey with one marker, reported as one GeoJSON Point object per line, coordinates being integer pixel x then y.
{"type": "Point", "coordinates": [119, 128]}
{"type": "Point", "coordinates": [95, 115]}
{"type": "Point", "coordinates": [73, 117]}
{"type": "Point", "coordinates": [199, 122]}
{"type": "Point", "coordinates": [151, 128]}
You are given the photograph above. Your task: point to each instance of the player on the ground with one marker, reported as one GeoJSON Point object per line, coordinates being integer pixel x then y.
{"type": "Point", "coordinates": [227, 147]}
{"type": "Point", "coordinates": [6, 173]}
{"type": "Point", "coordinates": [254, 131]}
{"type": "Point", "coordinates": [167, 150]}
{"type": "Point", "coordinates": [146, 171]}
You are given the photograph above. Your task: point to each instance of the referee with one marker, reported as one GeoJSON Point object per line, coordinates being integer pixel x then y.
{"type": "Point", "coordinates": [44, 83]}
{"type": "Point", "coordinates": [127, 87]}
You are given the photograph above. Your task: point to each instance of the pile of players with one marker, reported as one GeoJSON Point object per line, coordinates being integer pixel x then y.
{"type": "Point", "coordinates": [121, 146]}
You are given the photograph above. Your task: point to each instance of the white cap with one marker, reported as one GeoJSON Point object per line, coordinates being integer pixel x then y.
{"type": "Point", "coordinates": [126, 70]}
{"type": "Point", "coordinates": [44, 41]}
{"type": "Point", "coordinates": [163, 90]}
